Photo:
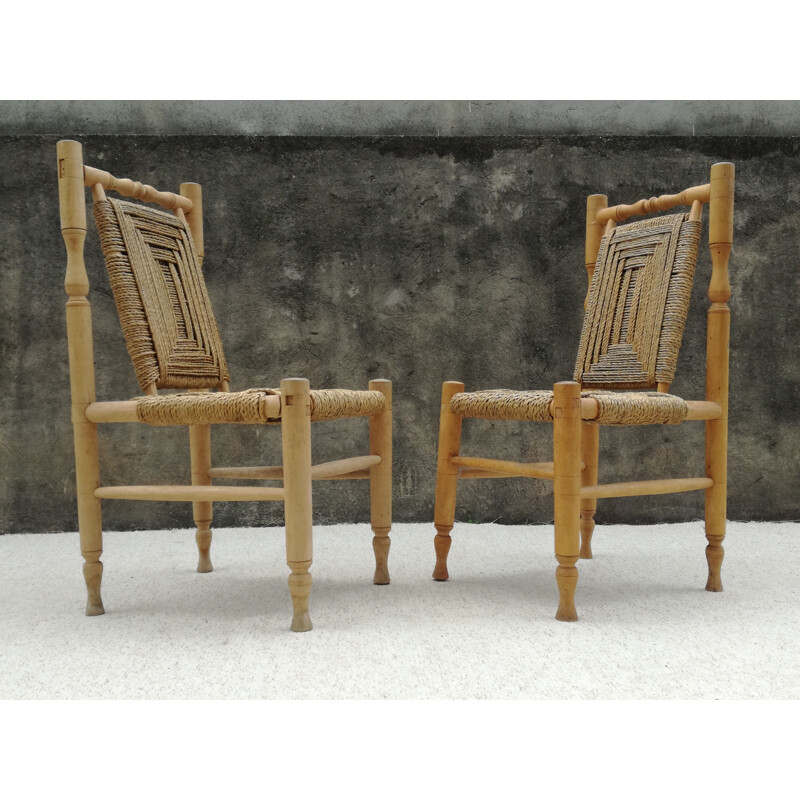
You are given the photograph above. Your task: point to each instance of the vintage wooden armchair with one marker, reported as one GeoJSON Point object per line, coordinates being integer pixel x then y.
{"type": "Point", "coordinates": [154, 261]}
{"type": "Point", "coordinates": [640, 277]}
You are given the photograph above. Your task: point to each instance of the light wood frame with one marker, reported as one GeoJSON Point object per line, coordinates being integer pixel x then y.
{"type": "Point", "coordinates": [291, 408]}
{"type": "Point", "coordinates": [574, 469]}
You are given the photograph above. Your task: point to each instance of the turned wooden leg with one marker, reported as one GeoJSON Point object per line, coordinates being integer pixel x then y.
{"type": "Point", "coordinates": [567, 580]}
{"type": "Point", "coordinates": [200, 448]}
{"type": "Point", "coordinates": [93, 576]}
{"type": "Point", "coordinates": [380, 482]}
{"type": "Point", "coordinates": [296, 441]}
{"type": "Point", "coordinates": [72, 204]}
{"type": "Point", "coordinates": [590, 443]}
{"type": "Point", "coordinates": [300, 589]}
{"type": "Point", "coordinates": [90, 522]}
{"type": "Point", "coordinates": [716, 500]}
{"type": "Point", "coordinates": [566, 492]}
{"type": "Point", "coordinates": [444, 513]}
{"type": "Point", "coordinates": [720, 239]}
{"type": "Point", "coordinates": [715, 552]}
{"type": "Point", "coordinates": [717, 447]}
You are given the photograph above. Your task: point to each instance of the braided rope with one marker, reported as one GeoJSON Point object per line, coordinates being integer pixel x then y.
{"type": "Point", "coordinates": [337, 403]}
{"type": "Point", "coordinates": [638, 303]}
{"type": "Point", "coordinates": [164, 308]}
{"type": "Point", "coordinates": [250, 406]}
{"type": "Point", "coordinates": [623, 408]}
{"type": "Point", "coordinates": [503, 404]}
{"type": "Point", "coordinates": [638, 408]}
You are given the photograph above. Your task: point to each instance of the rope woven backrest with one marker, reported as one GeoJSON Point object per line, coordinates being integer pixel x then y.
{"type": "Point", "coordinates": [161, 297]}
{"type": "Point", "coordinates": [638, 302]}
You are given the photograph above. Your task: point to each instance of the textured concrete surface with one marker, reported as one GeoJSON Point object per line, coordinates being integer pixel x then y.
{"type": "Point", "coordinates": [418, 259]}
{"type": "Point", "coordinates": [403, 118]}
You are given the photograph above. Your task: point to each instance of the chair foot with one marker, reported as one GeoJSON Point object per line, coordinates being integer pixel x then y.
{"type": "Point", "coordinates": [300, 589]}
{"type": "Point", "coordinates": [567, 580]}
{"type": "Point", "coordinates": [94, 609]}
{"type": "Point", "coordinates": [380, 545]}
{"type": "Point", "coordinates": [587, 529]}
{"type": "Point", "coordinates": [203, 539]}
{"type": "Point", "coordinates": [301, 623]}
{"type": "Point", "coordinates": [441, 543]}
{"type": "Point", "coordinates": [93, 575]}
{"type": "Point", "coordinates": [714, 555]}
{"type": "Point", "coordinates": [204, 564]}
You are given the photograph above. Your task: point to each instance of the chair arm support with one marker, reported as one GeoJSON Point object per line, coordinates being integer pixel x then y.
{"type": "Point", "coordinates": [114, 411]}
{"type": "Point", "coordinates": [703, 409]}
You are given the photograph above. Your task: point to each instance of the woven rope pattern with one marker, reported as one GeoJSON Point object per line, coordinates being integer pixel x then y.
{"type": "Point", "coordinates": [638, 408]}
{"type": "Point", "coordinates": [337, 403]}
{"type": "Point", "coordinates": [161, 297]}
{"type": "Point", "coordinates": [623, 408]}
{"type": "Point", "coordinates": [250, 407]}
{"type": "Point", "coordinates": [638, 302]}
{"type": "Point", "coordinates": [503, 404]}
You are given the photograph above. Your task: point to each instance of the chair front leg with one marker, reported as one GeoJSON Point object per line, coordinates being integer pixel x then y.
{"type": "Point", "coordinates": [200, 448]}
{"type": "Point", "coordinates": [566, 492]}
{"type": "Point", "coordinates": [380, 482]}
{"type": "Point", "coordinates": [296, 443]}
{"type": "Point", "coordinates": [446, 478]}
{"type": "Point", "coordinates": [590, 444]}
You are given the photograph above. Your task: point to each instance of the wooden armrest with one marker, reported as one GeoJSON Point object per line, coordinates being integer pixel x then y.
{"type": "Point", "coordinates": [113, 411]}
{"type": "Point", "coordinates": [703, 409]}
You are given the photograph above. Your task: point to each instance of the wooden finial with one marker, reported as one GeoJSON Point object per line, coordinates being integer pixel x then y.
{"type": "Point", "coordinates": [720, 230]}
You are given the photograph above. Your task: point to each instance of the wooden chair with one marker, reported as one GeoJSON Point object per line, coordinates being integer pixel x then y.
{"type": "Point", "coordinates": [635, 314]}
{"type": "Point", "coordinates": [154, 261]}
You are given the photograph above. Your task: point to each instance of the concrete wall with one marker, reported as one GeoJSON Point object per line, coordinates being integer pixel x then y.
{"type": "Point", "coordinates": [418, 258]}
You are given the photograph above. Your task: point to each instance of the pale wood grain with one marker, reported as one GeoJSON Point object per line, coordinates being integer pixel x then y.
{"type": "Point", "coordinates": [720, 239]}
{"type": "Point", "coordinates": [380, 484]}
{"type": "Point", "coordinates": [444, 513]}
{"type": "Point", "coordinates": [296, 446]}
{"type": "Point", "coordinates": [72, 204]}
{"type": "Point", "coordinates": [566, 492]}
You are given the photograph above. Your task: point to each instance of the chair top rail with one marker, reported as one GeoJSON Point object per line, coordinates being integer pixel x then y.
{"type": "Point", "coordinates": [687, 197]}
{"type": "Point", "coordinates": [139, 191]}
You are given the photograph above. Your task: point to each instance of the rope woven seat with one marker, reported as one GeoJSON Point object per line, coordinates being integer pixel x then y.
{"type": "Point", "coordinates": [624, 408]}
{"type": "Point", "coordinates": [250, 407]}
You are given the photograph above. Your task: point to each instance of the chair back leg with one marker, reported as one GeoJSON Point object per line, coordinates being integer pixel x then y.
{"type": "Point", "coordinates": [90, 520]}
{"type": "Point", "coordinates": [81, 367]}
{"type": "Point", "coordinates": [720, 238]}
